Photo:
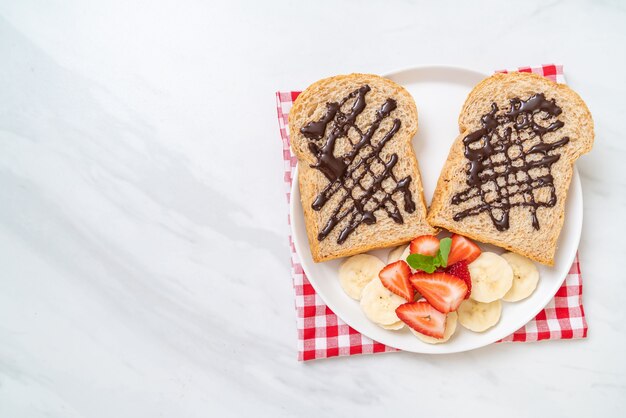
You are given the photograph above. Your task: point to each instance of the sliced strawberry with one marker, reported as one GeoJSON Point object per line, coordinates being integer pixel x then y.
{"type": "Point", "coordinates": [423, 318]}
{"type": "Point", "coordinates": [462, 249]}
{"type": "Point", "coordinates": [442, 290]}
{"type": "Point", "coordinates": [460, 270]}
{"type": "Point", "coordinates": [425, 245]}
{"type": "Point", "coordinates": [395, 277]}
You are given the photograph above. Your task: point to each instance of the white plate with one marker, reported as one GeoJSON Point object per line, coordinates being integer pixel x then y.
{"type": "Point", "coordinates": [439, 93]}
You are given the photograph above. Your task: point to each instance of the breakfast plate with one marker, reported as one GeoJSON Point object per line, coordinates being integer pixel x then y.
{"type": "Point", "coordinates": [439, 93]}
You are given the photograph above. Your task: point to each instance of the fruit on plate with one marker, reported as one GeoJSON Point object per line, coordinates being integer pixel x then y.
{"type": "Point", "coordinates": [462, 249]}
{"type": "Point", "coordinates": [423, 318]}
{"type": "Point", "coordinates": [379, 304]}
{"type": "Point", "coordinates": [357, 271]}
{"type": "Point", "coordinates": [479, 316]}
{"type": "Point", "coordinates": [394, 327]}
{"type": "Point", "coordinates": [425, 245]}
{"type": "Point", "coordinates": [492, 277]}
{"type": "Point", "coordinates": [396, 253]}
{"type": "Point", "coordinates": [460, 270]}
{"type": "Point", "coordinates": [455, 282]}
{"type": "Point", "coordinates": [443, 291]}
{"type": "Point", "coordinates": [525, 277]}
{"type": "Point", "coordinates": [395, 277]}
{"type": "Point", "coordinates": [451, 320]}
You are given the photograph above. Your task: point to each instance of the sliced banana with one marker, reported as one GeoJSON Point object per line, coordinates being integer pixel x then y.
{"type": "Point", "coordinates": [357, 271]}
{"type": "Point", "coordinates": [478, 316]}
{"type": "Point", "coordinates": [525, 277]}
{"type": "Point", "coordinates": [396, 253]}
{"type": "Point", "coordinates": [379, 304]}
{"type": "Point", "coordinates": [398, 325]}
{"type": "Point", "coordinates": [492, 277]}
{"type": "Point", "coordinates": [451, 320]}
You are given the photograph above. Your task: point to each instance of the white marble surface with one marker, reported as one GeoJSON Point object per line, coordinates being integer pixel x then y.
{"type": "Point", "coordinates": [143, 244]}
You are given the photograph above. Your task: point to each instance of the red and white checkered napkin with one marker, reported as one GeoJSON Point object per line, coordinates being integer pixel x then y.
{"type": "Point", "coordinates": [323, 334]}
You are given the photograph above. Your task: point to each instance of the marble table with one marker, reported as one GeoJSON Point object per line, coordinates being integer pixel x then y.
{"type": "Point", "coordinates": [143, 250]}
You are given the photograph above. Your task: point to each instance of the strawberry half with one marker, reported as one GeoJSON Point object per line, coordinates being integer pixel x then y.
{"type": "Point", "coordinates": [460, 270]}
{"type": "Point", "coordinates": [425, 245]}
{"type": "Point", "coordinates": [462, 249]}
{"type": "Point", "coordinates": [395, 277]}
{"type": "Point", "coordinates": [442, 290]}
{"type": "Point", "coordinates": [423, 318]}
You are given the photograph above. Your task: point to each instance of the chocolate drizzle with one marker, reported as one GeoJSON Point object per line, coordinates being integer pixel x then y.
{"type": "Point", "coordinates": [361, 188]}
{"type": "Point", "coordinates": [509, 163]}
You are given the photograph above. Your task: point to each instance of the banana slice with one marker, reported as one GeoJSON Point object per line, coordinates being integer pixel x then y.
{"type": "Point", "coordinates": [451, 320]}
{"type": "Point", "coordinates": [357, 271]}
{"type": "Point", "coordinates": [491, 276]}
{"type": "Point", "coordinates": [379, 304]}
{"type": "Point", "coordinates": [398, 325]}
{"type": "Point", "coordinates": [525, 277]}
{"type": "Point", "coordinates": [396, 253]}
{"type": "Point", "coordinates": [478, 316]}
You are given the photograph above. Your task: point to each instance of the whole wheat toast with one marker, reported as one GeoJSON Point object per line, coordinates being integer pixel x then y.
{"type": "Point", "coordinates": [506, 178]}
{"type": "Point", "coordinates": [359, 178]}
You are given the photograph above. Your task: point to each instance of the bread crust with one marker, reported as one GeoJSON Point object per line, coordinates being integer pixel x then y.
{"type": "Point", "coordinates": [306, 108]}
{"type": "Point", "coordinates": [537, 245]}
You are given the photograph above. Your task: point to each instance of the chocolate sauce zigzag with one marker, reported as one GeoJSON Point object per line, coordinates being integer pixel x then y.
{"type": "Point", "coordinates": [501, 134]}
{"type": "Point", "coordinates": [347, 171]}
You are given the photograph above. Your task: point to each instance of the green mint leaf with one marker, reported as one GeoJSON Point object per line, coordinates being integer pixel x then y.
{"type": "Point", "coordinates": [422, 262]}
{"type": "Point", "coordinates": [437, 262]}
{"type": "Point", "coordinates": [428, 263]}
{"type": "Point", "coordinates": [430, 269]}
{"type": "Point", "coordinates": [444, 251]}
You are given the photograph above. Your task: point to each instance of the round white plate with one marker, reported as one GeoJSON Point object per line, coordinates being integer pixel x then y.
{"type": "Point", "coordinates": [439, 93]}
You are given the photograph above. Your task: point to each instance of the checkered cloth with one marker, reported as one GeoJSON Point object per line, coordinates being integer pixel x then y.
{"type": "Point", "coordinates": [323, 334]}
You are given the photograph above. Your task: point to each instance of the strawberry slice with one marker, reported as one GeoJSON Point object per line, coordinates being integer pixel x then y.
{"type": "Point", "coordinates": [425, 245]}
{"type": "Point", "coordinates": [442, 290]}
{"type": "Point", "coordinates": [462, 249]}
{"type": "Point", "coordinates": [395, 277]}
{"type": "Point", "coordinates": [460, 270]}
{"type": "Point", "coordinates": [423, 318]}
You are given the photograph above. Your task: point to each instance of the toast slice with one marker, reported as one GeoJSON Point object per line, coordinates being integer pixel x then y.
{"type": "Point", "coordinates": [359, 179]}
{"type": "Point", "coordinates": [507, 174]}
